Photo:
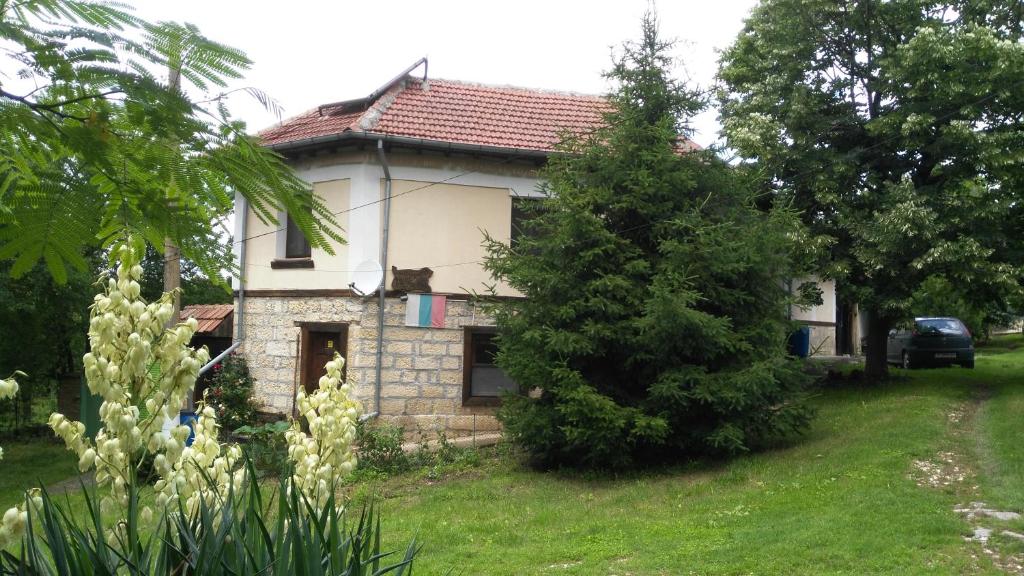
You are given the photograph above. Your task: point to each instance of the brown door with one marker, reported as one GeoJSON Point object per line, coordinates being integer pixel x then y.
{"type": "Point", "coordinates": [320, 349]}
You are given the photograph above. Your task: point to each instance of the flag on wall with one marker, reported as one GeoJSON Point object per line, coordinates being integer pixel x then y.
{"type": "Point", "coordinates": [426, 310]}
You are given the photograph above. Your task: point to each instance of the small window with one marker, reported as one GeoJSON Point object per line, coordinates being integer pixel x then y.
{"type": "Point", "coordinates": [296, 245]}
{"type": "Point", "coordinates": [483, 381]}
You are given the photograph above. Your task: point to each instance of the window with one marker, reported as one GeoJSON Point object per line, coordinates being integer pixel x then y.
{"type": "Point", "coordinates": [293, 250]}
{"type": "Point", "coordinates": [524, 209]}
{"type": "Point", "coordinates": [483, 382]}
{"type": "Point", "coordinates": [295, 244]}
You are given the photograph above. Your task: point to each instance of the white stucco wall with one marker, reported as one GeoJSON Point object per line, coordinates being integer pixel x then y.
{"type": "Point", "coordinates": [440, 208]}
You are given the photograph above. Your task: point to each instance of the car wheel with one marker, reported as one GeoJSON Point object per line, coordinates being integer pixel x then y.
{"type": "Point", "coordinates": [969, 364]}
{"type": "Point", "coordinates": [906, 361]}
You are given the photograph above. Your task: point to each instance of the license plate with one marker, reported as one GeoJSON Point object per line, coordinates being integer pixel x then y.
{"type": "Point", "coordinates": [946, 355]}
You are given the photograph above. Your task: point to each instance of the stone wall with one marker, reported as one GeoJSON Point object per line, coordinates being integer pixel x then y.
{"type": "Point", "coordinates": [421, 367]}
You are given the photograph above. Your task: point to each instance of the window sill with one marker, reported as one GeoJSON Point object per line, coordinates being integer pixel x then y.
{"type": "Point", "coordinates": [285, 263]}
{"type": "Point", "coordinates": [482, 401]}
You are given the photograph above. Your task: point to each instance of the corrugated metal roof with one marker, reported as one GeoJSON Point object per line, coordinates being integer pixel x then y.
{"type": "Point", "coordinates": [209, 316]}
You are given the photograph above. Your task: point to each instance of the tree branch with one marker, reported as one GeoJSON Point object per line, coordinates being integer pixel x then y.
{"type": "Point", "coordinates": [56, 106]}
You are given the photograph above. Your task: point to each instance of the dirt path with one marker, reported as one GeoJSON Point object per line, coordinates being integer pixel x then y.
{"type": "Point", "coordinates": [957, 469]}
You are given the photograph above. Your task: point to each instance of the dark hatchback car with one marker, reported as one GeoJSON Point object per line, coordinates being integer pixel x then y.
{"type": "Point", "coordinates": [931, 342]}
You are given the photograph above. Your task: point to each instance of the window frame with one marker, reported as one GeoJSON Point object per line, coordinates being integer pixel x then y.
{"type": "Point", "coordinates": [468, 399]}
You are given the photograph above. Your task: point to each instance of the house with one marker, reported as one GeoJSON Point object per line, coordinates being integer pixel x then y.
{"type": "Point", "coordinates": [457, 159]}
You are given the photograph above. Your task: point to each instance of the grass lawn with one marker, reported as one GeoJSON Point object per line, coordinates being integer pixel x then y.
{"type": "Point", "coordinates": [869, 490]}
{"type": "Point", "coordinates": [846, 499]}
{"type": "Point", "coordinates": [30, 462]}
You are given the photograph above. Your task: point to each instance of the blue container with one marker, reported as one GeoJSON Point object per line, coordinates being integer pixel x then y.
{"type": "Point", "coordinates": [800, 342]}
{"type": "Point", "coordinates": [188, 418]}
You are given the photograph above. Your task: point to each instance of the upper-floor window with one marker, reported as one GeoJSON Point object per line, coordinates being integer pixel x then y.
{"type": "Point", "coordinates": [295, 245]}
{"type": "Point", "coordinates": [293, 250]}
{"type": "Point", "coordinates": [524, 209]}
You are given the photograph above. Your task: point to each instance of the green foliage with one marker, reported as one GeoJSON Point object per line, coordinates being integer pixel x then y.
{"type": "Point", "coordinates": [42, 327]}
{"type": "Point", "coordinates": [267, 448]}
{"type": "Point", "coordinates": [381, 453]}
{"type": "Point", "coordinates": [380, 448]}
{"type": "Point", "coordinates": [231, 393]}
{"type": "Point", "coordinates": [939, 297]}
{"type": "Point", "coordinates": [246, 534]}
{"type": "Point", "coordinates": [95, 141]}
{"type": "Point", "coordinates": [894, 127]}
{"type": "Point", "coordinates": [654, 319]}
{"type": "Point", "coordinates": [196, 286]}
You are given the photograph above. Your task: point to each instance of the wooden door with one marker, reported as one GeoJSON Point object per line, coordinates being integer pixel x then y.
{"type": "Point", "coordinates": [320, 349]}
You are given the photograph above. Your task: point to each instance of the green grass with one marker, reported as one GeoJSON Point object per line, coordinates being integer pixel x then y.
{"type": "Point", "coordinates": [31, 463]}
{"type": "Point", "coordinates": [844, 499]}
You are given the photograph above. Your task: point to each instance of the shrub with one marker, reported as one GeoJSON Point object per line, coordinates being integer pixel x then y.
{"type": "Point", "coordinates": [380, 448]}
{"type": "Point", "coordinates": [380, 451]}
{"type": "Point", "coordinates": [231, 393]}
{"type": "Point", "coordinates": [267, 447]}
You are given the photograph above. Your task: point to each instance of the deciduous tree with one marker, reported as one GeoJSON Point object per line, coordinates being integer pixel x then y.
{"type": "Point", "coordinates": [896, 129]}
{"type": "Point", "coordinates": [94, 141]}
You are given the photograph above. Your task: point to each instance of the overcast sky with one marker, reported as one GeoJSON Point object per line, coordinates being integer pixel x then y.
{"type": "Point", "coordinates": [310, 52]}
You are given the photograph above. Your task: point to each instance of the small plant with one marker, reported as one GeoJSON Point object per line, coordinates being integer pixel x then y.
{"type": "Point", "coordinates": [231, 393]}
{"type": "Point", "coordinates": [380, 448]}
{"type": "Point", "coordinates": [266, 447]}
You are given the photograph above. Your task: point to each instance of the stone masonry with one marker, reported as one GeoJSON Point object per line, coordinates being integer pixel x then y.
{"type": "Point", "coordinates": [422, 370]}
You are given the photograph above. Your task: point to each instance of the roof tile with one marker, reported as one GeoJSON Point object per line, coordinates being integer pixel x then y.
{"type": "Point", "coordinates": [456, 112]}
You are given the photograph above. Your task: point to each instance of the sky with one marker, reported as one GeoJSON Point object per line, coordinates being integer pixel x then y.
{"type": "Point", "coordinates": [308, 53]}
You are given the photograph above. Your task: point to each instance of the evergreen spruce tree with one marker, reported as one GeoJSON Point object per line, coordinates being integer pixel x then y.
{"type": "Point", "coordinates": [654, 319]}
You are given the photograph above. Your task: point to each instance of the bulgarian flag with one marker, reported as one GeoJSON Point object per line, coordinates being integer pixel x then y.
{"type": "Point", "coordinates": [425, 310]}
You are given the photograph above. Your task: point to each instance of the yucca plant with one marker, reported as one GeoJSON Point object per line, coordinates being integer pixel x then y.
{"type": "Point", "coordinates": [245, 534]}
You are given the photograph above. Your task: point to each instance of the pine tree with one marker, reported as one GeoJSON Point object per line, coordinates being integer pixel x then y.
{"type": "Point", "coordinates": [654, 318]}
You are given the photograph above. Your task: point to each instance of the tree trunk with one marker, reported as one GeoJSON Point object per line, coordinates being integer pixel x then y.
{"type": "Point", "coordinates": [876, 367]}
{"type": "Point", "coordinates": [172, 254]}
{"type": "Point", "coordinates": [172, 278]}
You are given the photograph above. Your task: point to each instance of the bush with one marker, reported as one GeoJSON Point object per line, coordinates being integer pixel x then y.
{"type": "Point", "coordinates": [380, 448]}
{"type": "Point", "coordinates": [380, 451]}
{"type": "Point", "coordinates": [231, 393]}
{"type": "Point", "coordinates": [266, 447]}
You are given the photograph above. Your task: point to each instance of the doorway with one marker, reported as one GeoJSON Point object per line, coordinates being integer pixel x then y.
{"type": "Point", "coordinates": [320, 342]}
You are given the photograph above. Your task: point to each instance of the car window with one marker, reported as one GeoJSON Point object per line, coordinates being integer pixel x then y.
{"type": "Point", "coordinates": [949, 326]}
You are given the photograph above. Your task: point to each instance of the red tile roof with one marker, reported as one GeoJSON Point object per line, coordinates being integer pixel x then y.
{"type": "Point", "coordinates": [446, 111]}
{"type": "Point", "coordinates": [209, 316]}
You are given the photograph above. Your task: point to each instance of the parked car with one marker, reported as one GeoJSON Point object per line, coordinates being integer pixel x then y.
{"type": "Point", "coordinates": [931, 342]}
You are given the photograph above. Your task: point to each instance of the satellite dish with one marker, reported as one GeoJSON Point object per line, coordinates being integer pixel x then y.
{"type": "Point", "coordinates": [367, 278]}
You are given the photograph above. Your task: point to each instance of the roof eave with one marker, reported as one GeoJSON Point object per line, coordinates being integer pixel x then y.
{"type": "Point", "coordinates": [317, 142]}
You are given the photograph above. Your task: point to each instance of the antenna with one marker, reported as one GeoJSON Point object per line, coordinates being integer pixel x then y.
{"type": "Point", "coordinates": [367, 278]}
